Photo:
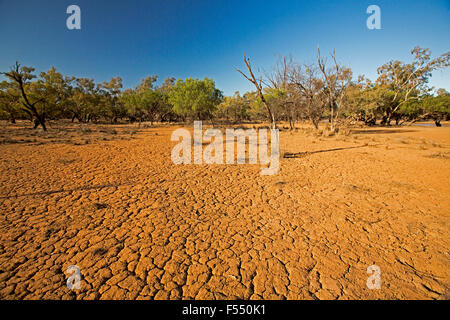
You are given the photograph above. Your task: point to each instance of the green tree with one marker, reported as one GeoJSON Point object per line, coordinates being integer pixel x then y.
{"type": "Point", "coordinates": [84, 99]}
{"type": "Point", "coordinates": [10, 106]}
{"type": "Point", "coordinates": [56, 90]}
{"type": "Point", "coordinates": [195, 98]}
{"type": "Point", "coordinates": [407, 81]}
{"type": "Point", "coordinates": [438, 107]}
{"type": "Point", "coordinates": [109, 99]}
{"type": "Point", "coordinates": [32, 97]}
{"type": "Point", "coordinates": [235, 107]}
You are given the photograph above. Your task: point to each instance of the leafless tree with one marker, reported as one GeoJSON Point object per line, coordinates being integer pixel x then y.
{"type": "Point", "coordinates": [279, 80]}
{"type": "Point", "coordinates": [310, 91]}
{"type": "Point", "coordinates": [336, 80]}
{"type": "Point", "coordinates": [258, 85]}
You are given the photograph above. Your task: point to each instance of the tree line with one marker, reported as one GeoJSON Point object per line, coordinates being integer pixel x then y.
{"type": "Point", "coordinates": [289, 92]}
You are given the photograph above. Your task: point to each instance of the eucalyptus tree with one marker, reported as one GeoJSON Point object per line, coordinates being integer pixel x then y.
{"type": "Point", "coordinates": [109, 99]}
{"type": "Point", "coordinates": [32, 98]}
{"type": "Point", "coordinates": [57, 91]}
{"type": "Point", "coordinates": [407, 81]}
{"type": "Point", "coordinates": [10, 105]}
{"type": "Point", "coordinates": [84, 100]}
{"type": "Point", "coordinates": [336, 80]}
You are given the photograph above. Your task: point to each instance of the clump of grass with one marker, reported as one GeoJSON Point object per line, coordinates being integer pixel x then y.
{"type": "Point", "coordinates": [65, 161]}
{"type": "Point", "coordinates": [344, 132]}
{"type": "Point", "coordinates": [109, 131]}
{"type": "Point", "coordinates": [100, 251]}
{"type": "Point", "coordinates": [8, 141]}
{"type": "Point", "coordinates": [99, 205]}
{"type": "Point", "coordinates": [439, 155]}
{"type": "Point", "coordinates": [434, 144]}
{"type": "Point", "coordinates": [328, 133]}
{"type": "Point", "coordinates": [401, 140]}
{"type": "Point", "coordinates": [85, 130]}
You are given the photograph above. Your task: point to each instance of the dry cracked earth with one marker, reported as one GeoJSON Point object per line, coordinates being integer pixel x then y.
{"type": "Point", "coordinates": [140, 227]}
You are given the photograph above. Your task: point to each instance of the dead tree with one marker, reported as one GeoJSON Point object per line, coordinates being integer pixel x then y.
{"type": "Point", "coordinates": [258, 86]}
{"type": "Point", "coordinates": [336, 81]}
{"type": "Point", "coordinates": [310, 89]}
{"type": "Point", "coordinates": [279, 80]}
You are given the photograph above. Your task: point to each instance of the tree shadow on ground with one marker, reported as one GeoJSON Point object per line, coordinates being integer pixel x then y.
{"type": "Point", "coordinates": [288, 155]}
{"type": "Point", "coordinates": [379, 131]}
{"type": "Point", "coordinates": [47, 193]}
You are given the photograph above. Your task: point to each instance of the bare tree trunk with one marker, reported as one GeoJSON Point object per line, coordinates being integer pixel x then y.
{"type": "Point", "coordinates": [258, 86]}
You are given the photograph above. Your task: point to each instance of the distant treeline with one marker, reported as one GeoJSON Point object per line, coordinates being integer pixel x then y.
{"type": "Point", "coordinates": [291, 92]}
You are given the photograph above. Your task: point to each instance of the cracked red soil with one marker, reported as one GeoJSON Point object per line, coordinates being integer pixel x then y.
{"type": "Point", "coordinates": [140, 227]}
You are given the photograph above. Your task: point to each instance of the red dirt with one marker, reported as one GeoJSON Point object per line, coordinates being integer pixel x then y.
{"type": "Point", "coordinates": [140, 227]}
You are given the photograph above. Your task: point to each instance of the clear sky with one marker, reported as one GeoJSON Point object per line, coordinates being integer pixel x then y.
{"type": "Point", "coordinates": [133, 39]}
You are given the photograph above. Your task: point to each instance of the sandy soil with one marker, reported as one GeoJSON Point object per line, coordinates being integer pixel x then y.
{"type": "Point", "coordinates": [109, 200]}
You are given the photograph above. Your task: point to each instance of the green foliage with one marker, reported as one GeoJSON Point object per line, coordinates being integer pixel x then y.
{"type": "Point", "coordinates": [10, 107]}
{"type": "Point", "coordinates": [234, 107]}
{"type": "Point", "coordinates": [294, 92]}
{"type": "Point", "coordinates": [438, 106]}
{"type": "Point", "coordinates": [195, 98]}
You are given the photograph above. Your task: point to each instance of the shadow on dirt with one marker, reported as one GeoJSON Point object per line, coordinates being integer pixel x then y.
{"type": "Point", "coordinates": [289, 155]}
{"type": "Point", "coordinates": [83, 188]}
{"type": "Point", "coordinates": [380, 131]}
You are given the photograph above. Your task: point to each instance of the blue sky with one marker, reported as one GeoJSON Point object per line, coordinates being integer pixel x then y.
{"type": "Point", "coordinates": [133, 39]}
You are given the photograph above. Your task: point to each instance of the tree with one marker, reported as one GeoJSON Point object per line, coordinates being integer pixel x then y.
{"type": "Point", "coordinates": [9, 101]}
{"type": "Point", "coordinates": [147, 83]}
{"type": "Point", "coordinates": [22, 76]}
{"type": "Point", "coordinates": [363, 100]}
{"type": "Point", "coordinates": [152, 102]}
{"type": "Point", "coordinates": [438, 107]}
{"type": "Point", "coordinates": [166, 108]}
{"type": "Point", "coordinates": [403, 80]}
{"type": "Point", "coordinates": [336, 80]}
{"type": "Point", "coordinates": [310, 91]}
{"type": "Point", "coordinates": [194, 97]}
{"type": "Point", "coordinates": [259, 89]}
{"type": "Point", "coordinates": [281, 95]}
{"type": "Point", "coordinates": [110, 92]}
{"type": "Point", "coordinates": [57, 91]}
{"type": "Point", "coordinates": [234, 106]}
{"type": "Point", "coordinates": [84, 100]}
